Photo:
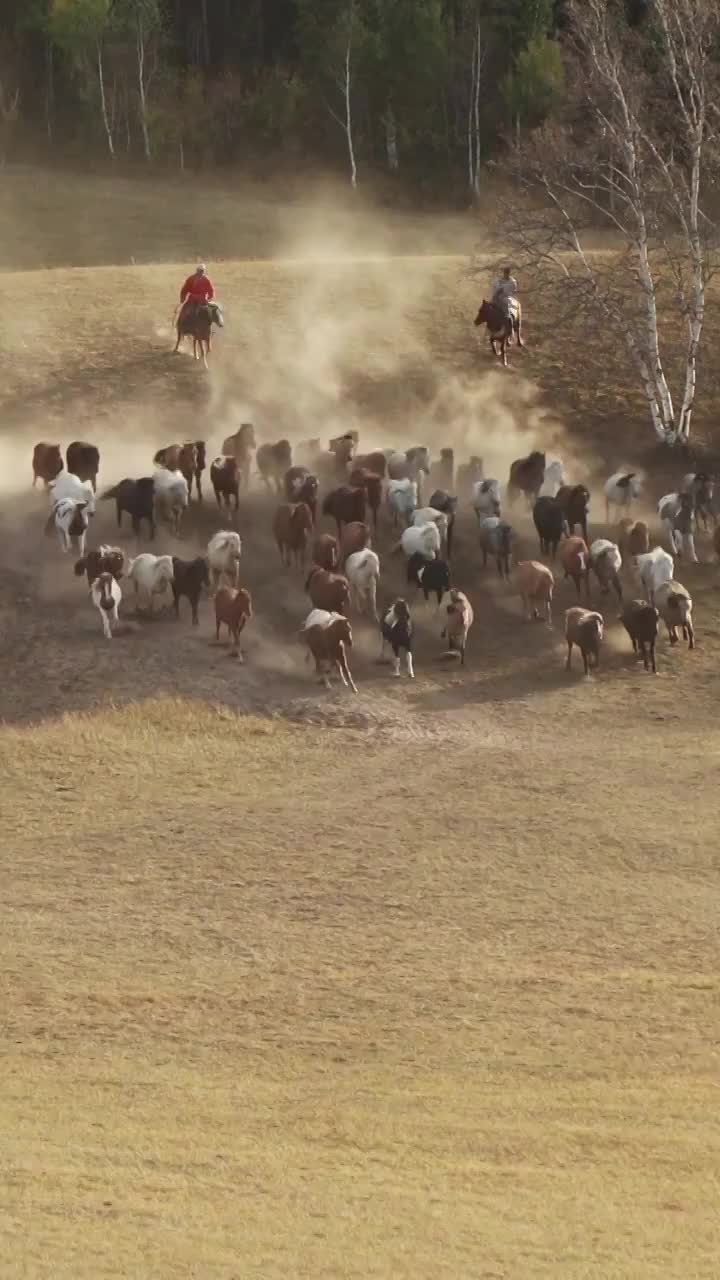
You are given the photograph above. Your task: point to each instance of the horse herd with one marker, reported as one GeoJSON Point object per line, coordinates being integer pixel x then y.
{"type": "Point", "coordinates": [353, 490]}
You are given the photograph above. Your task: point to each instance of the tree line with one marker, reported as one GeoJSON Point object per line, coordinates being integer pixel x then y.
{"type": "Point", "coordinates": [423, 89]}
{"type": "Point", "coordinates": [601, 113]}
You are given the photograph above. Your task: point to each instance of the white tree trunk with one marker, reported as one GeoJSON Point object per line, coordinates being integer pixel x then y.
{"type": "Point", "coordinates": [140, 45]}
{"type": "Point", "coordinates": [652, 171]}
{"type": "Point", "coordinates": [49, 90]}
{"type": "Point", "coordinates": [473, 129]}
{"type": "Point", "coordinates": [103, 102]}
{"type": "Point", "coordinates": [391, 139]}
{"type": "Point", "coordinates": [657, 373]}
{"type": "Point", "coordinates": [657, 401]}
{"type": "Point", "coordinates": [696, 316]}
{"type": "Point", "coordinates": [657, 396]}
{"type": "Point", "coordinates": [348, 115]}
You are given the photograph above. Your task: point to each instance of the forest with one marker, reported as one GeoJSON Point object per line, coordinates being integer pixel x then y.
{"type": "Point", "coordinates": [425, 91]}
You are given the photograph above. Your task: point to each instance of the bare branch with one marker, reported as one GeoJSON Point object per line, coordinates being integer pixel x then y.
{"type": "Point", "coordinates": [633, 154]}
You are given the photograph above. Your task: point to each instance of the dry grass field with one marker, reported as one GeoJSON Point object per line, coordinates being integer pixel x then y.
{"type": "Point", "coordinates": [418, 984]}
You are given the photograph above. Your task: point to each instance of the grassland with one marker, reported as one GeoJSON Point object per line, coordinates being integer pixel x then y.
{"type": "Point", "coordinates": [294, 1017]}
{"type": "Point", "coordinates": [424, 985]}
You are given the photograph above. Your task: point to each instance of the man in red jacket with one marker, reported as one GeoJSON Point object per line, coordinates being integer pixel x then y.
{"type": "Point", "coordinates": [196, 291]}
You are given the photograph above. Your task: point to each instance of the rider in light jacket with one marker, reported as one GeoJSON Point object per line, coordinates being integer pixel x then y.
{"type": "Point", "coordinates": [505, 289]}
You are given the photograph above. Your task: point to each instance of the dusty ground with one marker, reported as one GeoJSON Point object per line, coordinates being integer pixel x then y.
{"type": "Point", "coordinates": [420, 983]}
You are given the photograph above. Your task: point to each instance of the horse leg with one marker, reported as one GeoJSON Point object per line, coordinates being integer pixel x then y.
{"type": "Point", "coordinates": [203, 346]}
{"type": "Point", "coordinates": [503, 351]}
{"type": "Point", "coordinates": [518, 331]}
{"type": "Point", "coordinates": [176, 348]}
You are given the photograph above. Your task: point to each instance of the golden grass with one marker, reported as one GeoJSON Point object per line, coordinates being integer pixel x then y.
{"type": "Point", "coordinates": [308, 1002]}
{"type": "Point", "coordinates": [51, 219]}
{"type": "Point", "coordinates": [291, 1002]}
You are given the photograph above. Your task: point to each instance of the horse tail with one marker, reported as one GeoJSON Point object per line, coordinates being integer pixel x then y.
{"type": "Point", "coordinates": [110, 493]}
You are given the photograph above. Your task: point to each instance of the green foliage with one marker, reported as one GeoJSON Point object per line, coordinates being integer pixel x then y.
{"type": "Point", "coordinates": [534, 89]}
{"type": "Point", "coordinates": [77, 25]}
{"type": "Point", "coordinates": [230, 80]}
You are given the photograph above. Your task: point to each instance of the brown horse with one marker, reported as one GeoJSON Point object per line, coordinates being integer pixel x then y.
{"type": "Point", "coordinates": [501, 327]}
{"type": "Point", "coordinates": [196, 322]}
{"type": "Point", "coordinates": [526, 476]}
{"type": "Point", "coordinates": [241, 446]}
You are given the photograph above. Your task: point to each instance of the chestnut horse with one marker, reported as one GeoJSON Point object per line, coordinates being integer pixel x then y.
{"type": "Point", "coordinates": [196, 322]}
{"type": "Point", "coordinates": [501, 327]}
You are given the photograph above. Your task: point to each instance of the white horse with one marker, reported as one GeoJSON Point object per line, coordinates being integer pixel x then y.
{"type": "Point", "coordinates": [431, 515]}
{"type": "Point", "coordinates": [223, 552]}
{"type": "Point", "coordinates": [656, 567]}
{"type": "Point", "coordinates": [621, 489]}
{"type": "Point", "coordinates": [553, 479]}
{"type": "Point", "coordinates": [362, 570]}
{"type": "Point", "coordinates": [67, 485]}
{"type": "Point", "coordinates": [486, 498]}
{"type": "Point", "coordinates": [171, 496]}
{"type": "Point", "coordinates": [402, 499]}
{"type": "Point", "coordinates": [421, 540]}
{"type": "Point", "coordinates": [150, 575]}
{"type": "Point", "coordinates": [70, 518]}
{"type": "Point", "coordinates": [106, 595]}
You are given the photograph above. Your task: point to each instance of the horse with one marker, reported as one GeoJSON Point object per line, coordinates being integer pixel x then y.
{"type": "Point", "coordinates": [196, 322]}
{"type": "Point", "coordinates": [241, 446]}
{"type": "Point", "coordinates": [526, 476]}
{"type": "Point", "coordinates": [501, 326]}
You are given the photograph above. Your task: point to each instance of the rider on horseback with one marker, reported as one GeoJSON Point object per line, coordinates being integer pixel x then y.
{"type": "Point", "coordinates": [505, 292]}
{"type": "Point", "coordinates": [196, 292]}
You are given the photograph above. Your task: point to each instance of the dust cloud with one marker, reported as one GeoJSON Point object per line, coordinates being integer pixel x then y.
{"type": "Point", "coordinates": [360, 320]}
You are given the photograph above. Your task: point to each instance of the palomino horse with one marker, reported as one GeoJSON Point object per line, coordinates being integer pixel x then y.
{"type": "Point", "coordinates": [196, 322]}
{"type": "Point", "coordinates": [501, 327]}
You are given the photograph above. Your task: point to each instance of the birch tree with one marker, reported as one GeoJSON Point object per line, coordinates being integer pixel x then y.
{"type": "Point", "coordinates": [81, 29]}
{"type": "Point", "coordinates": [142, 23]}
{"type": "Point", "coordinates": [330, 34]}
{"type": "Point", "coordinates": [9, 115]}
{"type": "Point", "coordinates": [473, 124]}
{"type": "Point", "coordinates": [344, 85]}
{"type": "Point", "coordinates": [403, 62]}
{"type": "Point", "coordinates": [636, 156]}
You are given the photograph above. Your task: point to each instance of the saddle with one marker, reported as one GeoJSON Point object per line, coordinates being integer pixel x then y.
{"type": "Point", "coordinates": [509, 308]}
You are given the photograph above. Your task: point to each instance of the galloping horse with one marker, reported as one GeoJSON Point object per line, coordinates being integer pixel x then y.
{"type": "Point", "coordinates": [241, 446]}
{"type": "Point", "coordinates": [196, 322]}
{"type": "Point", "coordinates": [526, 476]}
{"type": "Point", "coordinates": [501, 327]}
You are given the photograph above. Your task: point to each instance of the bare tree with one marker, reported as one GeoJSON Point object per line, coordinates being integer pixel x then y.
{"type": "Point", "coordinates": [635, 153]}
{"type": "Point", "coordinates": [391, 143]}
{"type": "Point", "coordinates": [9, 116]}
{"type": "Point", "coordinates": [103, 98]}
{"type": "Point", "coordinates": [344, 84]}
{"type": "Point", "coordinates": [473, 127]}
{"type": "Point", "coordinates": [142, 94]}
{"type": "Point", "coordinates": [49, 89]}
{"type": "Point", "coordinates": [142, 23]}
